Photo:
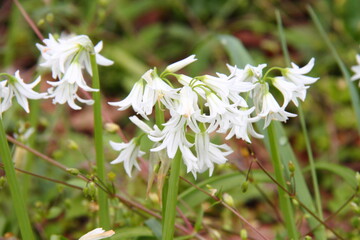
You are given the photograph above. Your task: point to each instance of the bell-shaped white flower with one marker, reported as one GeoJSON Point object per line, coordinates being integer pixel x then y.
{"type": "Point", "coordinates": [297, 75]}
{"type": "Point", "coordinates": [96, 234]}
{"type": "Point", "coordinates": [22, 91]}
{"type": "Point", "coordinates": [67, 93]}
{"type": "Point", "coordinates": [356, 69]}
{"type": "Point", "coordinates": [5, 100]}
{"type": "Point", "coordinates": [209, 153]}
{"type": "Point", "coordinates": [289, 90]}
{"type": "Point", "coordinates": [272, 111]}
{"type": "Point", "coordinates": [188, 102]}
{"type": "Point", "coordinates": [128, 154]}
{"type": "Point", "coordinates": [174, 67]}
{"type": "Point", "coordinates": [134, 99]}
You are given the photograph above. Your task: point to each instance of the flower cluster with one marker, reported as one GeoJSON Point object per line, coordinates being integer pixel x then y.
{"type": "Point", "coordinates": [14, 86]}
{"type": "Point", "coordinates": [67, 56]}
{"type": "Point", "coordinates": [199, 106]}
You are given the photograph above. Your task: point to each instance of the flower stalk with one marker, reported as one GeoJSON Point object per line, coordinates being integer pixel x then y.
{"type": "Point", "coordinates": [171, 200]}
{"type": "Point", "coordinates": [284, 200]}
{"type": "Point", "coordinates": [100, 166]}
{"type": "Point", "coordinates": [16, 194]}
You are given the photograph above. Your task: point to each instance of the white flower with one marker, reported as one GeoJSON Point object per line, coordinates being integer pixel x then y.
{"type": "Point", "coordinates": [248, 74]}
{"type": "Point", "coordinates": [134, 99]}
{"type": "Point", "coordinates": [22, 91]}
{"type": "Point", "coordinates": [128, 154]}
{"type": "Point", "coordinates": [67, 57]}
{"type": "Point", "coordinates": [58, 54]}
{"type": "Point", "coordinates": [188, 102]}
{"type": "Point", "coordinates": [356, 69]}
{"type": "Point", "coordinates": [180, 64]}
{"type": "Point", "coordinates": [209, 153]}
{"type": "Point", "coordinates": [67, 93]}
{"type": "Point", "coordinates": [289, 90]}
{"type": "Point", "coordinates": [96, 234]}
{"type": "Point", "coordinates": [272, 111]}
{"type": "Point", "coordinates": [296, 74]}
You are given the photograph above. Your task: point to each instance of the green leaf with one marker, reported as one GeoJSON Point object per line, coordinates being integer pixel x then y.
{"type": "Point", "coordinates": [236, 50]}
{"type": "Point", "coordinates": [346, 173]}
{"type": "Point", "coordinates": [155, 227]}
{"type": "Point", "coordinates": [131, 232]}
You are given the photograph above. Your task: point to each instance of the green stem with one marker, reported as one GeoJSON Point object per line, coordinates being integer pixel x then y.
{"type": "Point", "coordinates": [171, 199]}
{"type": "Point", "coordinates": [312, 164]}
{"type": "Point", "coordinates": [284, 200]}
{"type": "Point", "coordinates": [98, 134]}
{"type": "Point", "coordinates": [17, 196]}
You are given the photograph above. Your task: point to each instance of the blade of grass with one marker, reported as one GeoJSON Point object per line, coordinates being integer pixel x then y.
{"type": "Point", "coordinates": [320, 232]}
{"type": "Point", "coordinates": [352, 87]}
{"type": "Point", "coordinates": [16, 195]}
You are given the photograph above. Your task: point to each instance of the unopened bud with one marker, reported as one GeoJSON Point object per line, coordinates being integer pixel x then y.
{"type": "Point", "coordinates": [92, 190]}
{"type": "Point", "coordinates": [154, 197]}
{"type": "Point", "coordinates": [291, 167]}
{"type": "Point", "coordinates": [243, 234]}
{"type": "Point", "coordinates": [212, 190]}
{"type": "Point", "coordinates": [111, 176]}
{"type": "Point", "coordinates": [295, 202]}
{"type": "Point", "coordinates": [111, 127]}
{"type": "Point", "coordinates": [71, 144]}
{"type": "Point", "coordinates": [2, 182]}
{"type": "Point", "coordinates": [307, 237]}
{"type": "Point", "coordinates": [244, 186]}
{"type": "Point", "coordinates": [73, 171]}
{"type": "Point", "coordinates": [355, 207]}
{"type": "Point", "coordinates": [49, 17]}
{"type": "Point", "coordinates": [228, 199]}
{"type": "Point", "coordinates": [40, 22]}
{"type": "Point", "coordinates": [357, 177]}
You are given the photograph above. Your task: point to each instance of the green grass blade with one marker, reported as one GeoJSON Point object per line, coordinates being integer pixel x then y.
{"type": "Point", "coordinates": [320, 232]}
{"type": "Point", "coordinates": [352, 87]}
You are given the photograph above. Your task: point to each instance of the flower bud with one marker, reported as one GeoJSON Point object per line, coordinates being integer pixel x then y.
{"type": "Point", "coordinates": [212, 190]}
{"type": "Point", "coordinates": [73, 171]}
{"type": "Point", "coordinates": [307, 237]}
{"type": "Point", "coordinates": [71, 144]}
{"type": "Point", "coordinates": [291, 167]}
{"type": "Point", "coordinates": [154, 197]}
{"type": "Point", "coordinates": [243, 234]}
{"type": "Point", "coordinates": [244, 186]}
{"type": "Point", "coordinates": [2, 182]}
{"type": "Point", "coordinates": [111, 176]}
{"type": "Point", "coordinates": [111, 127]}
{"type": "Point", "coordinates": [228, 199]}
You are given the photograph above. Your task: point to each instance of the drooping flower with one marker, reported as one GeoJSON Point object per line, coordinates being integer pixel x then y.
{"type": "Point", "coordinates": [67, 56]}
{"type": "Point", "coordinates": [96, 234]}
{"type": "Point", "coordinates": [209, 153]}
{"type": "Point", "coordinates": [15, 86]}
{"type": "Point", "coordinates": [128, 154]}
{"type": "Point", "coordinates": [356, 69]}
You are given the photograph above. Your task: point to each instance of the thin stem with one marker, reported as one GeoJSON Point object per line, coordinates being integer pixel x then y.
{"type": "Point", "coordinates": [17, 196]}
{"type": "Point", "coordinates": [355, 100]}
{"type": "Point", "coordinates": [298, 200]}
{"type": "Point", "coordinates": [171, 199]}
{"type": "Point", "coordinates": [285, 204]}
{"type": "Point", "coordinates": [29, 20]}
{"type": "Point", "coordinates": [312, 164]}
{"type": "Point", "coordinates": [98, 133]}
{"type": "Point", "coordinates": [233, 210]}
